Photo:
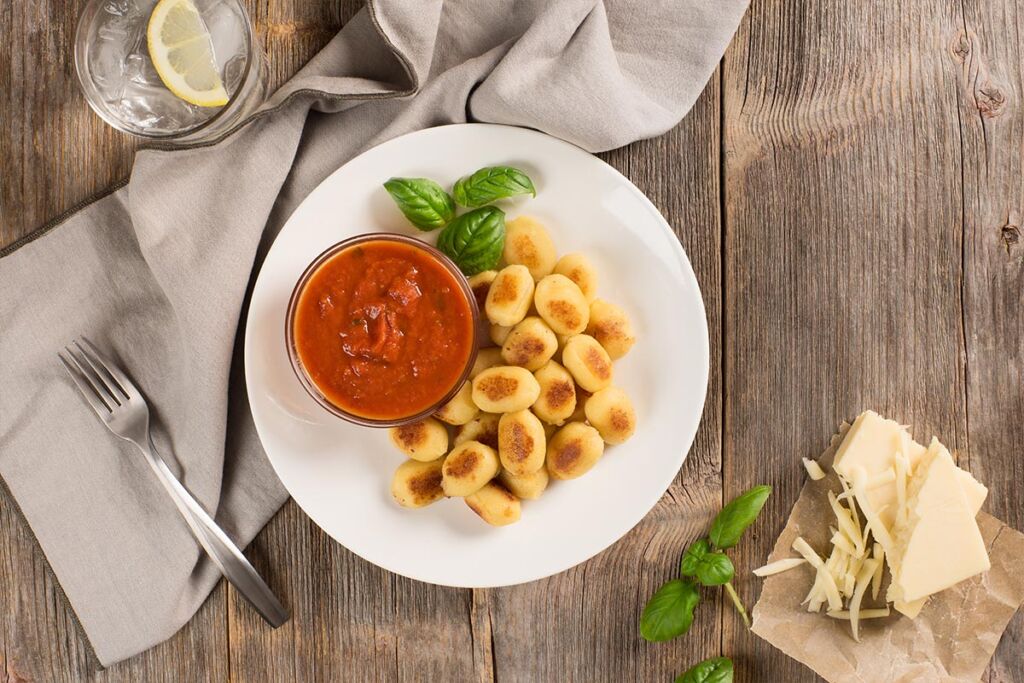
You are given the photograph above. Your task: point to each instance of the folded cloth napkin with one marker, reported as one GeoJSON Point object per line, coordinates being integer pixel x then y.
{"type": "Point", "coordinates": [157, 272]}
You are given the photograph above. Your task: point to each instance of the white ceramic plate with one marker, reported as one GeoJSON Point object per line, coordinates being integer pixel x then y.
{"type": "Point", "coordinates": [340, 474]}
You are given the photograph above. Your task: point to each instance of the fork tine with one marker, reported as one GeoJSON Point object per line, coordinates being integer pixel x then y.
{"type": "Point", "coordinates": [98, 383]}
{"type": "Point", "coordinates": [86, 389]}
{"type": "Point", "coordinates": [118, 378]}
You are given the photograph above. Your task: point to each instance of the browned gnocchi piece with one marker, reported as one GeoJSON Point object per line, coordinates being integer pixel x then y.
{"type": "Point", "coordinates": [460, 409]}
{"type": "Point", "coordinates": [611, 413]}
{"type": "Point", "coordinates": [557, 400]}
{"type": "Point", "coordinates": [425, 440]}
{"type": "Point", "coordinates": [505, 389]}
{"type": "Point", "coordinates": [527, 487]}
{"type": "Point", "coordinates": [589, 363]}
{"type": "Point", "coordinates": [611, 327]}
{"type": "Point", "coordinates": [486, 358]}
{"type": "Point", "coordinates": [562, 305]}
{"type": "Point", "coordinates": [416, 484]}
{"type": "Point", "coordinates": [573, 450]}
{"type": "Point", "coordinates": [495, 505]}
{"type": "Point", "coordinates": [468, 467]}
{"type": "Point", "coordinates": [482, 428]}
{"type": "Point", "coordinates": [530, 344]}
{"type": "Point", "coordinates": [527, 243]}
{"type": "Point", "coordinates": [480, 284]}
{"type": "Point", "coordinates": [577, 268]}
{"type": "Point", "coordinates": [521, 442]}
{"type": "Point", "coordinates": [510, 296]}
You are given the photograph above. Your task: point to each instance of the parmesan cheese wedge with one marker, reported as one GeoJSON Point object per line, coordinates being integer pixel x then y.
{"type": "Point", "coordinates": [871, 445]}
{"type": "Point", "coordinates": [939, 545]}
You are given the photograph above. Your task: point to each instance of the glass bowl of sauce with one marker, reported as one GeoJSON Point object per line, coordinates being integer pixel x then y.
{"type": "Point", "coordinates": [381, 329]}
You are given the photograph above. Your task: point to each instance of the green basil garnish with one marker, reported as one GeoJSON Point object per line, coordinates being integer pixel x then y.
{"type": "Point", "coordinates": [669, 612]}
{"type": "Point", "coordinates": [714, 670]}
{"type": "Point", "coordinates": [735, 517]}
{"type": "Point", "coordinates": [490, 184]}
{"type": "Point", "coordinates": [710, 567]}
{"type": "Point", "coordinates": [475, 240]}
{"type": "Point", "coordinates": [424, 202]}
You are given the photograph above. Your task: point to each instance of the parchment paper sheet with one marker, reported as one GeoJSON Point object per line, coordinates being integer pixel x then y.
{"type": "Point", "coordinates": [951, 640]}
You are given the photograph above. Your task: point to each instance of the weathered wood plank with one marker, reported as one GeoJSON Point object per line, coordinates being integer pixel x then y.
{"type": "Point", "coordinates": [56, 153]}
{"type": "Point", "coordinates": [988, 53]}
{"type": "Point", "coordinates": [582, 625]}
{"type": "Point", "coordinates": [843, 247]}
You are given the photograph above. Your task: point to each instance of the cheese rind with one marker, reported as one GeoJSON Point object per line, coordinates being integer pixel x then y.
{"type": "Point", "coordinates": [940, 544]}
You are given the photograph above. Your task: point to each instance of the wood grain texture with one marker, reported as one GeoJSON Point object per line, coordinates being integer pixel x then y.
{"type": "Point", "coordinates": [849, 189]}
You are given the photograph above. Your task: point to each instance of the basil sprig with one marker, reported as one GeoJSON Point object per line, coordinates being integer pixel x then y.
{"type": "Point", "coordinates": [710, 567]}
{"type": "Point", "coordinates": [424, 202]}
{"type": "Point", "coordinates": [490, 184]}
{"type": "Point", "coordinates": [735, 517]}
{"type": "Point", "coordinates": [474, 240]}
{"type": "Point", "coordinates": [669, 613]}
{"type": "Point", "coordinates": [714, 670]}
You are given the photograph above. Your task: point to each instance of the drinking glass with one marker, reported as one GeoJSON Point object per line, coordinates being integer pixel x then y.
{"type": "Point", "coordinates": [122, 85]}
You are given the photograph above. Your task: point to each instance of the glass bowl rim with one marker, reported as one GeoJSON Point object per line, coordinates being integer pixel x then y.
{"type": "Point", "coordinates": [300, 371]}
{"type": "Point", "coordinates": [91, 92]}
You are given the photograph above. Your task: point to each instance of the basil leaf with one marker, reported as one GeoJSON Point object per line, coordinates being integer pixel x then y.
{"type": "Point", "coordinates": [475, 239]}
{"type": "Point", "coordinates": [714, 670]}
{"type": "Point", "coordinates": [424, 202]}
{"type": "Point", "coordinates": [693, 555]}
{"type": "Point", "coordinates": [735, 517]}
{"type": "Point", "coordinates": [715, 569]}
{"type": "Point", "coordinates": [669, 612]}
{"type": "Point", "coordinates": [490, 184]}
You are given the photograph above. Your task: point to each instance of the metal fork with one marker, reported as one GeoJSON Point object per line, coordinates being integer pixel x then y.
{"type": "Point", "coordinates": [124, 411]}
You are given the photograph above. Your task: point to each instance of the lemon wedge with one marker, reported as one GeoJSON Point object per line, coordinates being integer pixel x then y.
{"type": "Point", "coordinates": [182, 52]}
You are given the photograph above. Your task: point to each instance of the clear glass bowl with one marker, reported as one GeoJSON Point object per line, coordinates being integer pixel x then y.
{"type": "Point", "coordinates": [121, 85]}
{"type": "Point", "coordinates": [289, 332]}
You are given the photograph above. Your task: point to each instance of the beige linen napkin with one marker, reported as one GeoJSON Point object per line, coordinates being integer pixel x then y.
{"type": "Point", "coordinates": [156, 273]}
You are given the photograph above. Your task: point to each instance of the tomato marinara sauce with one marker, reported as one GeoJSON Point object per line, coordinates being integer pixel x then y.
{"type": "Point", "coordinates": [383, 329]}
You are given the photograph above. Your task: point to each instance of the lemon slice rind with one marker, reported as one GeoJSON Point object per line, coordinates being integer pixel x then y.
{"type": "Point", "coordinates": [186, 66]}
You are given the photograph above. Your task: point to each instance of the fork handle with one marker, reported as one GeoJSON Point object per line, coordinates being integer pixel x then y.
{"type": "Point", "coordinates": [221, 549]}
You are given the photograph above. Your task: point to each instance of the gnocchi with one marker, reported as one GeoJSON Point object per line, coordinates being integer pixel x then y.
{"type": "Point", "coordinates": [467, 468]}
{"type": "Point", "coordinates": [480, 284]}
{"type": "Point", "coordinates": [611, 327]}
{"type": "Point", "coordinates": [417, 484]}
{"type": "Point", "coordinates": [521, 443]}
{"type": "Point", "coordinates": [557, 400]}
{"type": "Point", "coordinates": [527, 243]}
{"type": "Point", "coordinates": [611, 412]}
{"type": "Point", "coordinates": [588, 362]}
{"type": "Point", "coordinates": [530, 344]}
{"type": "Point", "coordinates": [505, 389]}
{"type": "Point", "coordinates": [482, 428]}
{"type": "Point", "coordinates": [562, 305]}
{"type": "Point", "coordinates": [486, 358]}
{"type": "Point", "coordinates": [498, 333]}
{"type": "Point", "coordinates": [539, 404]}
{"type": "Point", "coordinates": [425, 440]}
{"type": "Point", "coordinates": [577, 268]}
{"type": "Point", "coordinates": [573, 450]}
{"type": "Point", "coordinates": [460, 409]}
{"type": "Point", "coordinates": [510, 295]}
{"type": "Point", "coordinates": [528, 486]}
{"type": "Point", "coordinates": [495, 505]}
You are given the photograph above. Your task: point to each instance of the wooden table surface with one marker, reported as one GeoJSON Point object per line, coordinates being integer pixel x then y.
{"type": "Point", "coordinates": [850, 191]}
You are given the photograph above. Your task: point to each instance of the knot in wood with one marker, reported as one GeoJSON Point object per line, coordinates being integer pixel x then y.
{"type": "Point", "coordinates": [961, 46]}
{"type": "Point", "coordinates": [1011, 236]}
{"type": "Point", "coordinates": [990, 100]}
